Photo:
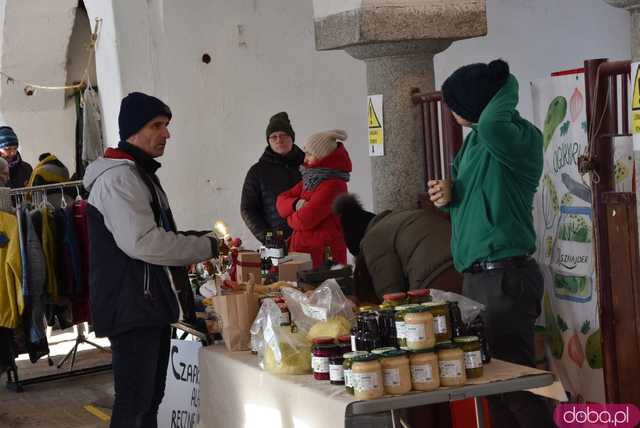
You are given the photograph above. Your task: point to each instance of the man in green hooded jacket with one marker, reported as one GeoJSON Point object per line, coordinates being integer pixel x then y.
{"type": "Point", "coordinates": [490, 201]}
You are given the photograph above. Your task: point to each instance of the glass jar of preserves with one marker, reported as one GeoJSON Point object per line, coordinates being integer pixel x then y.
{"type": "Point", "coordinates": [425, 372]}
{"type": "Point", "coordinates": [346, 365]}
{"type": "Point", "coordinates": [387, 326]}
{"type": "Point", "coordinates": [396, 375]}
{"type": "Point", "coordinates": [371, 338]}
{"type": "Point", "coordinates": [323, 349]}
{"type": "Point", "coordinates": [392, 300]}
{"type": "Point", "coordinates": [422, 295]}
{"type": "Point", "coordinates": [472, 355]}
{"type": "Point", "coordinates": [401, 335]}
{"type": "Point", "coordinates": [451, 364]}
{"type": "Point", "coordinates": [344, 342]}
{"type": "Point", "coordinates": [419, 328]}
{"type": "Point", "coordinates": [367, 308]}
{"type": "Point", "coordinates": [366, 375]}
{"type": "Point", "coordinates": [441, 321]}
{"type": "Point", "coordinates": [336, 369]}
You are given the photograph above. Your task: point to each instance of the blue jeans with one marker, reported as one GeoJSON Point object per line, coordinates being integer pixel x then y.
{"type": "Point", "coordinates": [140, 359]}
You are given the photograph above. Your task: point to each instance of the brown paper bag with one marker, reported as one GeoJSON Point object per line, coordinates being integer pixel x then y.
{"type": "Point", "coordinates": [237, 312]}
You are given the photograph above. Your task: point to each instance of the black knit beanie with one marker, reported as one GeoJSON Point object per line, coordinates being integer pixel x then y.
{"type": "Point", "coordinates": [353, 219]}
{"type": "Point", "coordinates": [470, 88]}
{"type": "Point", "coordinates": [136, 110]}
{"type": "Point", "coordinates": [280, 122]}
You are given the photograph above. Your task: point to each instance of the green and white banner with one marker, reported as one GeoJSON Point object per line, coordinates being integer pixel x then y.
{"type": "Point", "coordinates": [565, 252]}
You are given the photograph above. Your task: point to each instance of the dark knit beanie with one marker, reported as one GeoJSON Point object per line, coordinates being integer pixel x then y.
{"type": "Point", "coordinates": [470, 88]}
{"type": "Point", "coordinates": [136, 110]}
{"type": "Point", "coordinates": [353, 219]}
{"type": "Point", "coordinates": [280, 122]}
{"type": "Point", "coordinates": [8, 138]}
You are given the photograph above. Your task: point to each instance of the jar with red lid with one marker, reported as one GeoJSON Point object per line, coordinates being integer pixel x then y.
{"type": "Point", "coordinates": [419, 296]}
{"type": "Point", "coordinates": [393, 299]}
{"type": "Point", "coordinates": [324, 348]}
{"type": "Point", "coordinates": [344, 342]}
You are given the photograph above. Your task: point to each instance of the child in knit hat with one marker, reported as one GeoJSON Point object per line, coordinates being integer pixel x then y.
{"type": "Point", "coordinates": [307, 206]}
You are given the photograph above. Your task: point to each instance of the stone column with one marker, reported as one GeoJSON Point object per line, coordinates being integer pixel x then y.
{"type": "Point", "coordinates": [633, 6]}
{"type": "Point", "coordinates": [397, 40]}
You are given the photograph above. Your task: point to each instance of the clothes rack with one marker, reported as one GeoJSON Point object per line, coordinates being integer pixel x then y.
{"type": "Point", "coordinates": [13, 380]}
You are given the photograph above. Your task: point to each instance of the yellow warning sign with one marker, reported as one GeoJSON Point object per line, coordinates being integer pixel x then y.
{"type": "Point", "coordinates": [376, 125]}
{"type": "Point", "coordinates": [635, 104]}
{"type": "Point", "coordinates": [635, 101]}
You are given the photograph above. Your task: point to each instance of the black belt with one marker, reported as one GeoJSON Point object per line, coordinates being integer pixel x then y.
{"type": "Point", "coordinates": [508, 263]}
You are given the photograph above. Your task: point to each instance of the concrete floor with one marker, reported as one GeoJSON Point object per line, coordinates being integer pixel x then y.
{"type": "Point", "coordinates": [61, 403]}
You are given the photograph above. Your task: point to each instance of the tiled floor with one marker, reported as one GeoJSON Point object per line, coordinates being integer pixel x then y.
{"type": "Point", "coordinates": [61, 403]}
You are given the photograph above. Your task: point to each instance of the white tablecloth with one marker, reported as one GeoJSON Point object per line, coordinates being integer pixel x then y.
{"type": "Point", "coordinates": [236, 393]}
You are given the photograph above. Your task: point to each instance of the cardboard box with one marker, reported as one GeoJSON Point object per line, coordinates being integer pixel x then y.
{"type": "Point", "coordinates": [288, 271]}
{"type": "Point", "coordinates": [249, 262]}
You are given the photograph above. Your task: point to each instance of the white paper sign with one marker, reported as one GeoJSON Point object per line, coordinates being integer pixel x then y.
{"type": "Point", "coordinates": [179, 407]}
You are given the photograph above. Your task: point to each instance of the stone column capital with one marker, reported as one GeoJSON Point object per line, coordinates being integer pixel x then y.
{"type": "Point", "coordinates": [401, 22]}
{"type": "Point", "coordinates": [624, 4]}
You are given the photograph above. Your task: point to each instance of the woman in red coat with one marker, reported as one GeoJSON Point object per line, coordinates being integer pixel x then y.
{"type": "Point", "coordinates": [307, 206]}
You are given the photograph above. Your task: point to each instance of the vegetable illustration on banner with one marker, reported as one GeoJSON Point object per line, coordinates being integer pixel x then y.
{"type": "Point", "coordinates": [564, 228]}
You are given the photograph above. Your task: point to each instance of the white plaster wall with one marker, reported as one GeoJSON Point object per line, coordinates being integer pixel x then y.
{"type": "Point", "coordinates": [539, 37]}
{"type": "Point", "coordinates": [264, 61]}
{"type": "Point", "coordinates": [322, 8]}
{"type": "Point", "coordinates": [35, 43]}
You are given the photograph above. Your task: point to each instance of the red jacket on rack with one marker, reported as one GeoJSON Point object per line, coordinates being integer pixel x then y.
{"type": "Point", "coordinates": [314, 225]}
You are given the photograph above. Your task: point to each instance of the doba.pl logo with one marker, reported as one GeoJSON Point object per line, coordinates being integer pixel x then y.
{"type": "Point", "coordinates": [596, 415]}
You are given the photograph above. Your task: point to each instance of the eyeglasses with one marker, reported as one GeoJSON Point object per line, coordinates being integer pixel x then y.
{"type": "Point", "coordinates": [281, 136]}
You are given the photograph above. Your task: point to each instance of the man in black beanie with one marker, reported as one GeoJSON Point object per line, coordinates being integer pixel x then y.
{"type": "Point", "coordinates": [138, 285]}
{"type": "Point", "coordinates": [490, 198]}
{"type": "Point", "coordinates": [276, 171]}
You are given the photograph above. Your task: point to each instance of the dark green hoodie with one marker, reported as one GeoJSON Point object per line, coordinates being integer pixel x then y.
{"type": "Point", "coordinates": [496, 174]}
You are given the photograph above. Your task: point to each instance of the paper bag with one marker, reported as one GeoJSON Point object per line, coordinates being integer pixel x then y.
{"type": "Point", "coordinates": [237, 312]}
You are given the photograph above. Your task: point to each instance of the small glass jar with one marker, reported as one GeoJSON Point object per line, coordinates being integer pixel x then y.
{"type": "Point", "coordinates": [401, 330]}
{"type": "Point", "coordinates": [367, 308]}
{"type": "Point", "coordinates": [419, 328]}
{"type": "Point", "coordinates": [422, 295]}
{"type": "Point", "coordinates": [451, 364]}
{"type": "Point", "coordinates": [346, 365]}
{"type": "Point", "coordinates": [387, 325]}
{"type": "Point", "coordinates": [336, 369]}
{"type": "Point", "coordinates": [344, 342]}
{"type": "Point", "coordinates": [441, 321]}
{"type": "Point", "coordinates": [366, 374]}
{"type": "Point", "coordinates": [396, 375]}
{"type": "Point", "coordinates": [392, 300]}
{"type": "Point", "coordinates": [472, 355]}
{"type": "Point", "coordinates": [323, 349]}
{"type": "Point", "coordinates": [380, 351]}
{"type": "Point", "coordinates": [425, 373]}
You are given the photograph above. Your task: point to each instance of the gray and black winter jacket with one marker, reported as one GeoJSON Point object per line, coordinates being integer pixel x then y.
{"type": "Point", "coordinates": [136, 255]}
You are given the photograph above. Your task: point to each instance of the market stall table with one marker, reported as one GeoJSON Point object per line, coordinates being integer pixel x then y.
{"type": "Point", "coordinates": [235, 392]}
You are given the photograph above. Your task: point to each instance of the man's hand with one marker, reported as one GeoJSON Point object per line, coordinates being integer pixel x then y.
{"type": "Point", "coordinates": [439, 192]}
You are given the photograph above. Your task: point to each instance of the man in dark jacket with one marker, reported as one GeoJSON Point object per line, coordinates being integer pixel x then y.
{"type": "Point", "coordinates": [398, 250]}
{"type": "Point", "coordinates": [275, 172]}
{"type": "Point", "coordinates": [136, 252]}
{"type": "Point", "coordinates": [19, 170]}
